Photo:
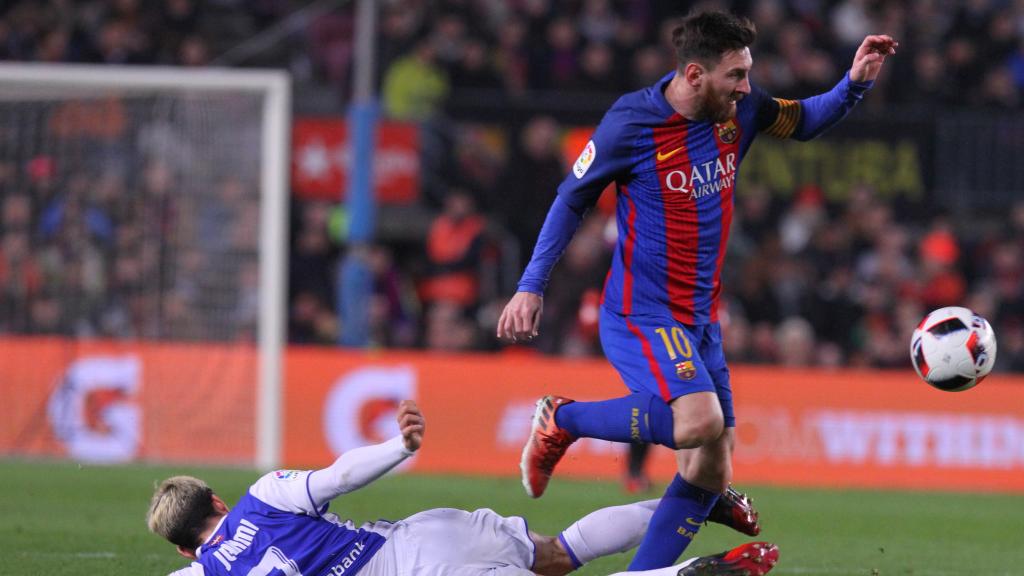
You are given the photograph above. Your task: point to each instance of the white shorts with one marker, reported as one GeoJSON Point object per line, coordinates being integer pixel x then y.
{"type": "Point", "coordinates": [446, 541]}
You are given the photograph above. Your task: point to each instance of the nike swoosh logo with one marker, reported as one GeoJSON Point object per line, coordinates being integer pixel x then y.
{"type": "Point", "coordinates": [692, 522]}
{"type": "Point", "coordinates": [665, 156]}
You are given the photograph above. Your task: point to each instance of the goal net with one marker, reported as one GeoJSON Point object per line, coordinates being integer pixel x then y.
{"type": "Point", "coordinates": [142, 242]}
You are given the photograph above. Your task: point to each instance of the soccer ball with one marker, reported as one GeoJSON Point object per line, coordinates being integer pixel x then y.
{"type": "Point", "coordinates": [953, 349]}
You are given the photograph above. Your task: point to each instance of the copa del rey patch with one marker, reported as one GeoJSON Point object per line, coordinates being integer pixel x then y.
{"type": "Point", "coordinates": [585, 160]}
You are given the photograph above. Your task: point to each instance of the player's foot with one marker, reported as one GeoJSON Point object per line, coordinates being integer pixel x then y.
{"type": "Point", "coordinates": [751, 559]}
{"type": "Point", "coordinates": [735, 510]}
{"type": "Point", "coordinates": [545, 446]}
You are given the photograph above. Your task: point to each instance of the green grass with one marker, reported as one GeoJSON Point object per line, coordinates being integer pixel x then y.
{"type": "Point", "coordinates": [60, 518]}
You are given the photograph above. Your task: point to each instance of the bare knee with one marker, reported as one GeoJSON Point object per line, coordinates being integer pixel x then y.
{"type": "Point", "coordinates": [697, 429]}
{"type": "Point", "coordinates": [696, 419]}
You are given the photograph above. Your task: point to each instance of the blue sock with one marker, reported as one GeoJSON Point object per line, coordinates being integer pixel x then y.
{"type": "Point", "coordinates": [639, 417]}
{"type": "Point", "coordinates": [680, 514]}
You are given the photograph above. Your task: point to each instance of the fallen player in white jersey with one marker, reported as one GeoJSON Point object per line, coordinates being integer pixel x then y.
{"type": "Point", "coordinates": [281, 527]}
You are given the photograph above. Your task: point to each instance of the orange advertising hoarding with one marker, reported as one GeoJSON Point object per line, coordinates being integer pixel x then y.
{"type": "Point", "coordinates": [107, 401]}
{"type": "Point", "coordinates": [814, 428]}
{"type": "Point", "coordinates": [116, 402]}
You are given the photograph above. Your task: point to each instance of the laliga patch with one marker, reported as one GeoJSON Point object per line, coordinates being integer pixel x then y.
{"type": "Point", "coordinates": [686, 370]}
{"type": "Point", "coordinates": [585, 160]}
{"type": "Point", "coordinates": [286, 475]}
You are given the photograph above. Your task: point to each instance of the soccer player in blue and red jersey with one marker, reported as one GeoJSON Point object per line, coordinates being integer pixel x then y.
{"type": "Point", "coordinates": [281, 527]}
{"type": "Point", "coordinates": [673, 151]}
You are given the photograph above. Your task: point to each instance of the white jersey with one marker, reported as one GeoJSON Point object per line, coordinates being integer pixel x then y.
{"type": "Point", "coordinates": [276, 529]}
{"type": "Point", "coordinates": [281, 527]}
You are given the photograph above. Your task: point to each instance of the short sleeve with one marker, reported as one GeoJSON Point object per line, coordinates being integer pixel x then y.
{"type": "Point", "coordinates": [606, 157]}
{"type": "Point", "coordinates": [286, 490]}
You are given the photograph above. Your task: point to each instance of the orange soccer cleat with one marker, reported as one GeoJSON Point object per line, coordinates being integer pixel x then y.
{"type": "Point", "coordinates": [751, 559]}
{"type": "Point", "coordinates": [545, 446]}
{"type": "Point", "coordinates": [735, 510]}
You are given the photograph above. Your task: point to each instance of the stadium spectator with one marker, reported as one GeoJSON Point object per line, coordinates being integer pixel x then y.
{"type": "Point", "coordinates": [569, 323]}
{"type": "Point", "coordinates": [393, 306]}
{"type": "Point", "coordinates": [455, 246]}
{"type": "Point", "coordinates": [534, 164]}
{"type": "Point", "coordinates": [284, 503]}
{"type": "Point", "coordinates": [415, 86]}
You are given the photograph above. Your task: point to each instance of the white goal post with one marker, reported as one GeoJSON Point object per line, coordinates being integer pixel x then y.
{"type": "Point", "coordinates": [47, 82]}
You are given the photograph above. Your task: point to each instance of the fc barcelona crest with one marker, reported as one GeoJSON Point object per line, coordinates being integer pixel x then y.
{"type": "Point", "coordinates": [727, 132]}
{"type": "Point", "coordinates": [686, 370]}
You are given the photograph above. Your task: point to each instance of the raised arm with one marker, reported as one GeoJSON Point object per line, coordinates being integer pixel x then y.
{"type": "Point", "coordinates": [357, 468]}
{"type": "Point", "coordinates": [809, 118]}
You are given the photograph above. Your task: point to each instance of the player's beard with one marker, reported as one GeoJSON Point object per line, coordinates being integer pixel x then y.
{"type": "Point", "coordinates": [718, 109]}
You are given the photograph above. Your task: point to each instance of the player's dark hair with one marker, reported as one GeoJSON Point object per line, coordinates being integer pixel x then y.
{"type": "Point", "coordinates": [705, 36]}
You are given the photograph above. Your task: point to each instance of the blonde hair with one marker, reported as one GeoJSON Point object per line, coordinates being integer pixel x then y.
{"type": "Point", "coordinates": [179, 509]}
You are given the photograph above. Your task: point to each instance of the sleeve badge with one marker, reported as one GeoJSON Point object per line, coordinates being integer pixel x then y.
{"type": "Point", "coordinates": [585, 160]}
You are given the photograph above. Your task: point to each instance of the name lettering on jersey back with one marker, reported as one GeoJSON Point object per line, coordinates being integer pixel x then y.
{"type": "Point", "coordinates": [703, 179]}
{"type": "Point", "coordinates": [228, 551]}
{"type": "Point", "coordinates": [348, 560]}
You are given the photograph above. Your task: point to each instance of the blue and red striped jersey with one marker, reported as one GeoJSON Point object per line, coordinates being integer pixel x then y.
{"type": "Point", "coordinates": [675, 180]}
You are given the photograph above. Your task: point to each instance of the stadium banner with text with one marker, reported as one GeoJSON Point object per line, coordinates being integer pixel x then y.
{"type": "Point", "coordinates": [863, 429]}
{"type": "Point", "coordinates": [118, 402]}
{"type": "Point", "coordinates": [321, 155]}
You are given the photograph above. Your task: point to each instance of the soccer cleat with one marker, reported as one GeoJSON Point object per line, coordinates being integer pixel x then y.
{"type": "Point", "coordinates": [751, 559]}
{"type": "Point", "coordinates": [545, 446]}
{"type": "Point", "coordinates": [735, 510]}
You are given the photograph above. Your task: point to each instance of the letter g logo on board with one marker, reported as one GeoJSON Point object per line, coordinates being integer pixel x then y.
{"type": "Point", "coordinates": [360, 407]}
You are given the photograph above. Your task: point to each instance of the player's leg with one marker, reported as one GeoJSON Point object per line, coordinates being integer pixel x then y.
{"type": "Point", "coordinates": [703, 475]}
{"type": "Point", "coordinates": [616, 529]}
{"type": "Point", "coordinates": [448, 541]}
{"type": "Point", "coordinates": [733, 508]}
{"type": "Point", "coordinates": [751, 559]}
{"type": "Point", "coordinates": [673, 401]}
{"type": "Point", "coordinates": [658, 363]}
{"type": "Point", "coordinates": [554, 557]}
{"type": "Point", "coordinates": [610, 530]}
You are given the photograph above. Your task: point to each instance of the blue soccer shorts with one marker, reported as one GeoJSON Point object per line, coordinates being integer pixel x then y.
{"type": "Point", "coordinates": [666, 358]}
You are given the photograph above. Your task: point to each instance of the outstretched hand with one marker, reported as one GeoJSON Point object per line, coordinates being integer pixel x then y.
{"type": "Point", "coordinates": [867, 63]}
{"type": "Point", "coordinates": [412, 425]}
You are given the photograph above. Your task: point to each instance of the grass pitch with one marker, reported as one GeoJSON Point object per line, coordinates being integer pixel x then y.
{"type": "Point", "coordinates": [61, 518]}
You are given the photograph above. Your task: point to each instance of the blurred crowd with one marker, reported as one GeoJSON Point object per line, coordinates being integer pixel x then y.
{"type": "Point", "coordinates": [952, 52]}
{"type": "Point", "coordinates": [967, 52]}
{"type": "Point", "coordinates": [810, 279]}
{"type": "Point", "coordinates": [115, 223]}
